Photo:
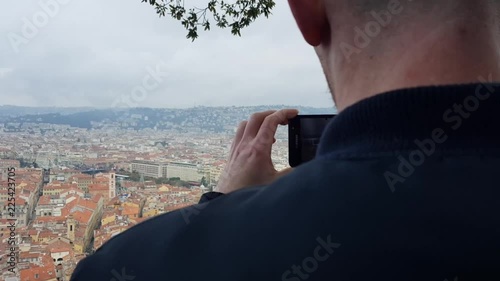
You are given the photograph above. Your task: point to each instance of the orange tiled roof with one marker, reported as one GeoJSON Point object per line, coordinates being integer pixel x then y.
{"type": "Point", "coordinates": [113, 201]}
{"type": "Point", "coordinates": [96, 198]}
{"type": "Point", "coordinates": [47, 219]}
{"type": "Point", "coordinates": [87, 204]}
{"type": "Point", "coordinates": [29, 255]}
{"type": "Point", "coordinates": [108, 213]}
{"type": "Point", "coordinates": [70, 186]}
{"type": "Point", "coordinates": [80, 233]}
{"type": "Point", "coordinates": [20, 201]}
{"type": "Point", "coordinates": [137, 220]}
{"type": "Point", "coordinates": [44, 200]}
{"type": "Point", "coordinates": [98, 187]}
{"type": "Point", "coordinates": [58, 247]}
{"type": "Point", "coordinates": [130, 210]}
{"type": "Point", "coordinates": [101, 179]}
{"type": "Point", "coordinates": [46, 272]}
{"type": "Point", "coordinates": [82, 216]}
{"type": "Point", "coordinates": [46, 234]}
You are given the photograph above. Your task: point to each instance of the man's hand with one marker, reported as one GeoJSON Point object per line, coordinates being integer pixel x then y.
{"type": "Point", "coordinates": [250, 161]}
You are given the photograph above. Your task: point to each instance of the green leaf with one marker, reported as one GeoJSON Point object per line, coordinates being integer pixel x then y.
{"type": "Point", "coordinates": [237, 15]}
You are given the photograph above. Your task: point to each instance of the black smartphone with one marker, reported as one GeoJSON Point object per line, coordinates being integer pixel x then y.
{"type": "Point", "coordinates": [304, 134]}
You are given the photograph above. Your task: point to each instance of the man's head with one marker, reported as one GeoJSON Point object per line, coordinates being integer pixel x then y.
{"type": "Point", "coordinates": [368, 47]}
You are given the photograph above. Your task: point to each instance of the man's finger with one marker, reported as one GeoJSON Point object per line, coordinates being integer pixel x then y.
{"type": "Point", "coordinates": [237, 138]}
{"type": "Point", "coordinates": [265, 136]}
{"type": "Point", "coordinates": [240, 131]}
{"type": "Point", "coordinates": [255, 123]}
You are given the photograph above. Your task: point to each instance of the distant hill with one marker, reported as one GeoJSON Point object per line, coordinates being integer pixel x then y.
{"type": "Point", "coordinates": [7, 111]}
{"type": "Point", "coordinates": [214, 119]}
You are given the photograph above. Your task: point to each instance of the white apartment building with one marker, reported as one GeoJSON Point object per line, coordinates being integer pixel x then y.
{"type": "Point", "coordinates": [186, 171]}
{"type": "Point", "coordinates": [148, 169]}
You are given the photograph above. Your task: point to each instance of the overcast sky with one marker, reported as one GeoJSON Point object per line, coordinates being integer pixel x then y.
{"type": "Point", "coordinates": [100, 53]}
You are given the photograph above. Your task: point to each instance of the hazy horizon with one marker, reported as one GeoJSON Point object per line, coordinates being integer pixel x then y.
{"type": "Point", "coordinates": [147, 107]}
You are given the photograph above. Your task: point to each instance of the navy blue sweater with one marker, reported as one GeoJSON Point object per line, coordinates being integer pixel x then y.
{"type": "Point", "coordinates": [405, 186]}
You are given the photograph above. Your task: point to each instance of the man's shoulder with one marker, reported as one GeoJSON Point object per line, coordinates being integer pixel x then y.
{"type": "Point", "coordinates": [334, 174]}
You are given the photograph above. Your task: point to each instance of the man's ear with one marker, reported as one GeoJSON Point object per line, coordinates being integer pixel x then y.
{"type": "Point", "coordinates": [311, 18]}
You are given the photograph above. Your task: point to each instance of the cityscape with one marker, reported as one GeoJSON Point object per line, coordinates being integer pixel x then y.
{"type": "Point", "coordinates": [71, 179]}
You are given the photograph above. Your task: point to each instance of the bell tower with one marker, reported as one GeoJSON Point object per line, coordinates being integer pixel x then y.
{"type": "Point", "coordinates": [71, 224]}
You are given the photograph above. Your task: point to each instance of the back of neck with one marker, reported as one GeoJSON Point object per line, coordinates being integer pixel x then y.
{"type": "Point", "coordinates": [455, 52]}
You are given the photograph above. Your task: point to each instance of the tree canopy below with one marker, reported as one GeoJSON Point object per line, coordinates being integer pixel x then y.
{"type": "Point", "coordinates": [235, 16]}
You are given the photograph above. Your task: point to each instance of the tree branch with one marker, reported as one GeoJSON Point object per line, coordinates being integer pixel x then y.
{"type": "Point", "coordinates": [236, 16]}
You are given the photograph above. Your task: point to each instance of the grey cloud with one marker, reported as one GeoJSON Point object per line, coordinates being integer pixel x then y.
{"type": "Point", "coordinates": [94, 51]}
